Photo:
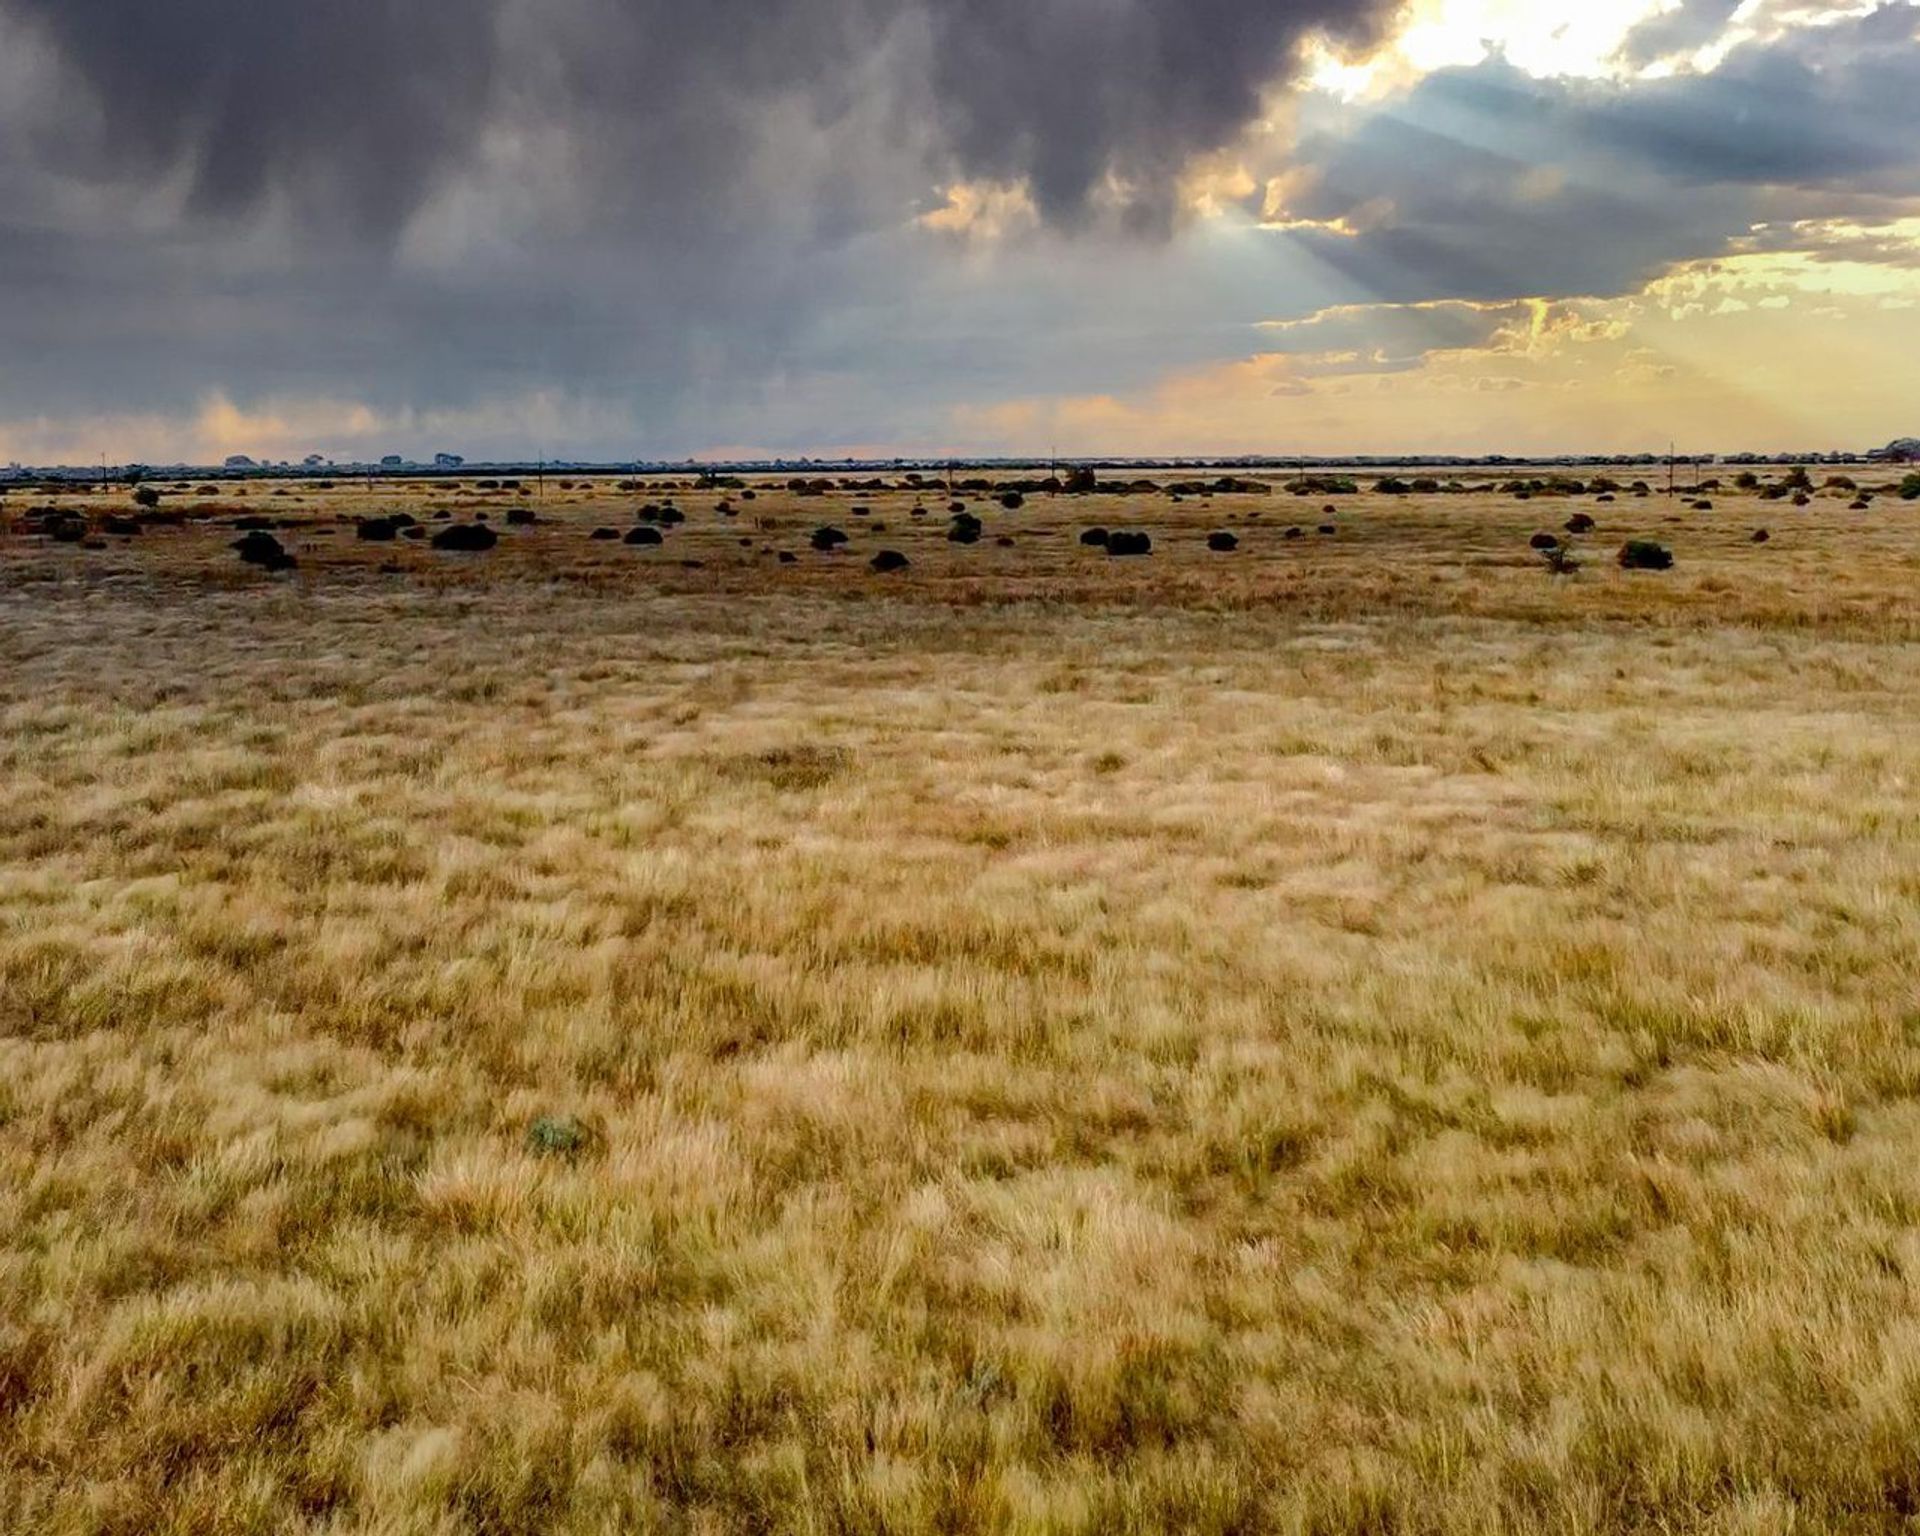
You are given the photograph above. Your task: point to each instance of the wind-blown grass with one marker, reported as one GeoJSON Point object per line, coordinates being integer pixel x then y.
{"type": "Point", "coordinates": [1359, 1038]}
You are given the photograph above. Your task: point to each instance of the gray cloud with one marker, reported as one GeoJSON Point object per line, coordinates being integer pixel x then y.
{"type": "Point", "coordinates": [1687, 28]}
{"type": "Point", "coordinates": [701, 216]}
{"type": "Point", "coordinates": [683, 207]}
{"type": "Point", "coordinates": [1486, 183]}
{"type": "Point", "coordinates": [1827, 106]}
{"type": "Point", "coordinates": [357, 107]}
{"type": "Point", "coordinates": [356, 104]}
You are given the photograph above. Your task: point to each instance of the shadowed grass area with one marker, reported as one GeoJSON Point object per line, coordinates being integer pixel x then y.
{"type": "Point", "coordinates": [1378, 1038]}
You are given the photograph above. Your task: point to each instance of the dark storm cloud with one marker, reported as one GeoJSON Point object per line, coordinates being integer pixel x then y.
{"type": "Point", "coordinates": [360, 105]}
{"type": "Point", "coordinates": [354, 102]}
{"type": "Point", "coordinates": [1064, 92]}
{"type": "Point", "coordinates": [669, 204]}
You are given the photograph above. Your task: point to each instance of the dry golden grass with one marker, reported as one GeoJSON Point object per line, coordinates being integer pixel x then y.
{"type": "Point", "coordinates": [1352, 1036]}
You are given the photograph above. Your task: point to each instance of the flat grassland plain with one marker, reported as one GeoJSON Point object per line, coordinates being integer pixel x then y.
{"type": "Point", "coordinates": [1357, 1034]}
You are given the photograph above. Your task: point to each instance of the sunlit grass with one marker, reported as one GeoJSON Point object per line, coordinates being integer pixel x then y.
{"type": "Point", "coordinates": [1356, 1035]}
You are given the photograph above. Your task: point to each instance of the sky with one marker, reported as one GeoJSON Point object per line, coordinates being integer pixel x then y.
{"type": "Point", "coordinates": [625, 229]}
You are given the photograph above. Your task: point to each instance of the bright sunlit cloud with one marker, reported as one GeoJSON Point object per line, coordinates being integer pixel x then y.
{"type": "Point", "coordinates": [1576, 38]}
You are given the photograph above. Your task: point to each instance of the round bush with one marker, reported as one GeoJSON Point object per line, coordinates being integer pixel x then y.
{"type": "Point", "coordinates": [1645, 555]}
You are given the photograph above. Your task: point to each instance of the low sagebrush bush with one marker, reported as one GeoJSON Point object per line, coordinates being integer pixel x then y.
{"type": "Point", "coordinates": [1645, 555]}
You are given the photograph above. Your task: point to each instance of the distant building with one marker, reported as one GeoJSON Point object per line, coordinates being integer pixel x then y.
{"type": "Point", "coordinates": [240, 461]}
{"type": "Point", "coordinates": [447, 461]}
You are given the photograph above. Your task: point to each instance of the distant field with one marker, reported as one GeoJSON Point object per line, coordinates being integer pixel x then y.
{"type": "Point", "coordinates": [1356, 1034]}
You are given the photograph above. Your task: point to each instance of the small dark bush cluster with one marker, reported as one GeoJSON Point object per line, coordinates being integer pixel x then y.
{"type": "Point", "coordinates": [1552, 485]}
{"type": "Point", "coordinates": [966, 529]}
{"type": "Point", "coordinates": [466, 538]}
{"type": "Point", "coordinates": [826, 539]}
{"type": "Point", "coordinates": [1222, 543]}
{"type": "Point", "coordinates": [265, 551]}
{"type": "Point", "coordinates": [889, 560]}
{"type": "Point", "coordinates": [1129, 544]}
{"type": "Point", "coordinates": [384, 530]}
{"type": "Point", "coordinates": [1226, 485]}
{"type": "Point", "coordinates": [1645, 555]}
{"type": "Point", "coordinates": [643, 536]}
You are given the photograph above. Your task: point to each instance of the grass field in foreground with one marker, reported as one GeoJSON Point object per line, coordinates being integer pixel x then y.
{"type": "Point", "coordinates": [1356, 1035]}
